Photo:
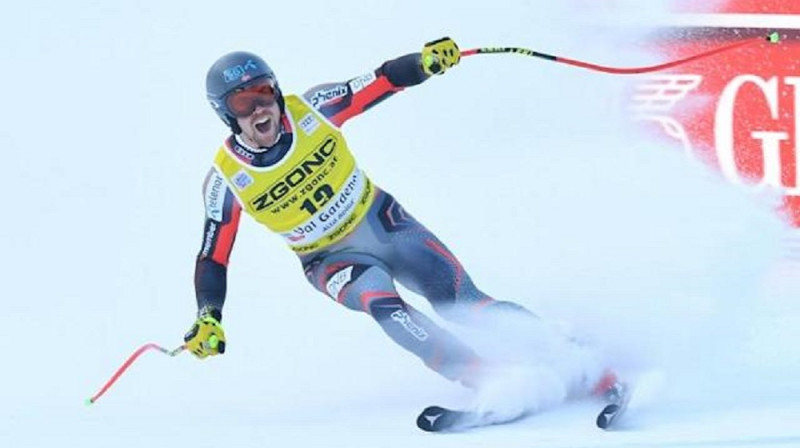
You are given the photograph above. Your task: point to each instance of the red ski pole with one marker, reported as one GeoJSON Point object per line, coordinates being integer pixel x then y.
{"type": "Point", "coordinates": [772, 38]}
{"type": "Point", "coordinates": [128, 363]}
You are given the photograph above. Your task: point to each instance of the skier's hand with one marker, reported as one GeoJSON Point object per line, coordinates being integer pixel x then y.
{"type": "Point", "coordinates": [438, 56]}
{"type": "Point", "coordinates": [206, 337]}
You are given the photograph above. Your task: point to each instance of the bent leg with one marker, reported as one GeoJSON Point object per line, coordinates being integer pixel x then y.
{"type": "Point", "coordinates": [423, 264]}
{"type": "Point", "coordinates": [362, 283]}
{"type": "Point", "coordinates": [509, 333]}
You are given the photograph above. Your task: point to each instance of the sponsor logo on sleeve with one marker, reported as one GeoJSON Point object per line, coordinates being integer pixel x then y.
{"type": "Point", "coordinates": [309, 123]}
{"type": "Point", "coordinates": [208, 240]}
{"type": "Point", "coordinates": [338, 281]}
{"type": "Point", "coordinates": [358, 84]}
{"type": "Point", "coordinates": [242, 180]}
{"type": "Point", "coordinates": [215, 197]}
{"type": "Point", "coordinates": [324, 96]}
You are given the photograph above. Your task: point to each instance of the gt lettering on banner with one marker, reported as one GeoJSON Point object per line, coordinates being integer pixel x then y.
{"type": "Point", "coordinates": [770, 141]}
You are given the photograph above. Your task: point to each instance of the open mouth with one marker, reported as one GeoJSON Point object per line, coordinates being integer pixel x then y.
{"type": "Point", "coordinates": [263, 125]}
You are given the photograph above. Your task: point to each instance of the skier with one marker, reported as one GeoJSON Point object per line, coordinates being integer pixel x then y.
{"type": "Point", "coordinates": [288, 165]}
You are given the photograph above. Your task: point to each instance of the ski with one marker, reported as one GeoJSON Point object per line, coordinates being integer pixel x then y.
{"type": "Point", "coordinates": [618, 398]}
{"type": "Point", "coordinates": [439, 419]}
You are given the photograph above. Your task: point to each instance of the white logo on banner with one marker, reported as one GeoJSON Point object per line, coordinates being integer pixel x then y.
{"type": "Point", "coordinates": [771, 151]}
{"type": "Point", "coordinates": [654, 99]}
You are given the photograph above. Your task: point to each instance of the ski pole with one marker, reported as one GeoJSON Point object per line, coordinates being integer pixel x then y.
{"type": "Point", "coordinates": [128, 363]}
{"type": "Point", "coordinates": [773, 38]}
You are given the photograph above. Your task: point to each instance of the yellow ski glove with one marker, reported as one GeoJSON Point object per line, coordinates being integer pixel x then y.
{"type": "Point", "coordinates": [206, 337]}
{"type": "Point", "coordinates": [438, 56]}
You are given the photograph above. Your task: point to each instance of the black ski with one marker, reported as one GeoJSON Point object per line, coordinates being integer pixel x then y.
{"type": "Point", "coordinates": [439, 419]}
{"type": "Point", "coordinates": [619, 396]}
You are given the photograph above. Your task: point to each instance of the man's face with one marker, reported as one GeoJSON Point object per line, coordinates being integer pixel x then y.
{"type": "Point", "coordinates": [257, 113]}
{"type": "Point", "coordinates": [262, 127]}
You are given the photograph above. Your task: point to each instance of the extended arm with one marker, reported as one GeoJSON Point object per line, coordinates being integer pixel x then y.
{"type": "Point", "coordinates": [341, 101]}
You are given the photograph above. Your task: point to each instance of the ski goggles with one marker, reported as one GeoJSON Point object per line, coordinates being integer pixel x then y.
{"type": "Point", "coordinates": [242, 103]}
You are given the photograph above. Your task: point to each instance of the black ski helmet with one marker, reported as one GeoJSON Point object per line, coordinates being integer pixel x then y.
{"type": "Point", "coordinates": [233, 71]}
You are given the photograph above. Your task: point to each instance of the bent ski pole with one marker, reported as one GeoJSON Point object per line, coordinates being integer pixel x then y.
{"type": "Point", "coordinates": [130, 361]}
{"type": "Point", "coordinates": [771, 38]}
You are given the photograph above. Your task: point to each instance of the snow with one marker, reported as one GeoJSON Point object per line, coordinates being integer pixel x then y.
{"type": "Point", "coordinates": [526, 169]}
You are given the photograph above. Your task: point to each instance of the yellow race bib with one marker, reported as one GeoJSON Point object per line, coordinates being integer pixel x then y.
{"type": "Point", "coordinates": [315, 195]}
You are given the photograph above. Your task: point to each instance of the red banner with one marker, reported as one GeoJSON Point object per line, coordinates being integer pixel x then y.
{"type": "Point", "coordinates": [743, 7]}
{"type": "Point", "coordinates": [738, 110]}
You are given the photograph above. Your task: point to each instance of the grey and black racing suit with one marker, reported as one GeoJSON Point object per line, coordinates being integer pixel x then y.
{"type": "Point", "coordinates": [388, 245]}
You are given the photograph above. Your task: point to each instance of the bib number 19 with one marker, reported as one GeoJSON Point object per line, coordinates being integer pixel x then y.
{"type": "Point", "coordinates": [320, 196]}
